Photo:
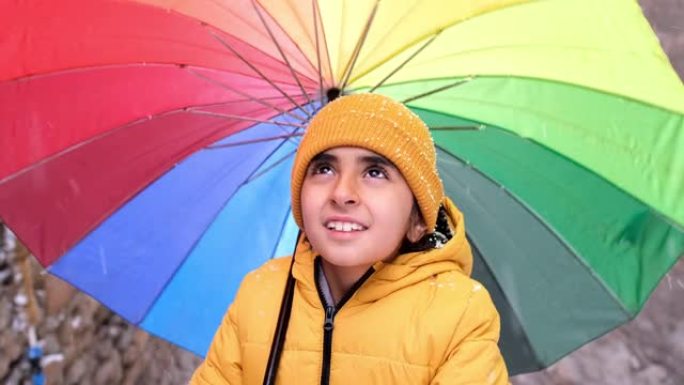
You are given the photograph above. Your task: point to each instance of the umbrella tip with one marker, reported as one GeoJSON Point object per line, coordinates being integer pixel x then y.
{"type": "Point", "coordinates": [333, 93]}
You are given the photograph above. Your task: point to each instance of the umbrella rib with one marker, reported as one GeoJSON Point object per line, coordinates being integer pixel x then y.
{"type": "Point", "coordinates": [539, 365]}
{"type": "Point", "coordinates": [418, 39]}
{"type": "Point", "coordinates": [325, 41]}
{"type": "Point", "coordinates": [236, 101]}
{"type": "Point", "coordinates": [413, 55]}
{"type": "Point", "coordinates": [359, 45]}
{"type": "Point", "coordinates": [282, 125]}
{"type": "Point", "coordinates": [458, 128]}
{"type": "Point", "coordinates": [440, 89]}
{"type": "Point", "coordinates": [308, 62]}
{"type": "Point", "coordinates": [314, 4]}
{"type": "Point", "coordinates": [282, 230]}
{"type": "Point", "coordinates": [242, 117]}
{"type": "Point", "coordinates": [152, 303]}
{"type": "Point", "coordinates": [261, 74]}
{"type": "Point", "coordinates": [547, 226]}
{"type": "Point", "coordinates": [252, 141]}
{"type": "Point", "coordinates": [223, 5]}
{"type": "Point", "coordinates": [99, 136]}
{"type": "Point", "coordinates": [209, 113]}
{"type": "Point", "coordinates": [196, 107]}
{"type": "Point", "coordinates": [255, 172]}
{"type": "Point", "coordinates": [246, 95]}
{"type": "Point", "coordinates": [269, 168]}
{"type": "Point", "coordinates": [282, 53]}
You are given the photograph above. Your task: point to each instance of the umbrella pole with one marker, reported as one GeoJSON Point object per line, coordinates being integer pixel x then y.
{"type": "Point", "coordinates": [281, 326]}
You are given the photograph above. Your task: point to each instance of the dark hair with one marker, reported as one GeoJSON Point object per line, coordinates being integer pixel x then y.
{"type": "Point", "coordinates": [442, 234]}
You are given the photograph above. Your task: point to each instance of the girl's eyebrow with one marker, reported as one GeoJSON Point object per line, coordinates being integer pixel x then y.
{"type": "Point", "coordinates": [366, 159]}
{"type": "Point", "coordinates": [377, 159]}
{"type": "Point", "coordinates": [324, 157]}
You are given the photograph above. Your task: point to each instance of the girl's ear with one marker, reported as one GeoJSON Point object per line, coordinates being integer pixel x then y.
{"type": "Point", "coordinates": [417, 228]}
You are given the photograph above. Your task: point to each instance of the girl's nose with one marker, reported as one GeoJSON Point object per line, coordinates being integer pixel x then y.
{"type": "Point", "coordinates": [345, 191]}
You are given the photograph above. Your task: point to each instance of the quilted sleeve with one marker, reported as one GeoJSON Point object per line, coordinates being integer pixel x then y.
{"type": "Point", "coordinates": [222, 366]}
{"type": "Point", "coordinates": [474, 356]}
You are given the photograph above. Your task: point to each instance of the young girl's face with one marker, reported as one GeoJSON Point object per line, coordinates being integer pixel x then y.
{"type": "Point", "coordinates": [357, 208]}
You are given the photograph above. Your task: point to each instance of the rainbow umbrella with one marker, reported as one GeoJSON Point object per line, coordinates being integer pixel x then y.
{"type": "Point", "coordinates": [146, 147]}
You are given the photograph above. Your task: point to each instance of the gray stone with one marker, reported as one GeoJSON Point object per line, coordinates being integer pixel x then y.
{"type": "Point", "coordinates": [77, 371]}
{"type": "Point", "coordinates": [110, 371]}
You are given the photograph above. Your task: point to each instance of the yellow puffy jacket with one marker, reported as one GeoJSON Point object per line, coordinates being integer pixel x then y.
{"type": "Point", "coordinates": [416, 320]}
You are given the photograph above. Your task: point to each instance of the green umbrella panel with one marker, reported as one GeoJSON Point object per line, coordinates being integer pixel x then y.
{"type": "Point", "coordinates": [566, 255]}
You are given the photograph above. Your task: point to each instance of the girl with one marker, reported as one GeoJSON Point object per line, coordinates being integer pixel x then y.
{"type": "Point", "coordinates": [378, 289]}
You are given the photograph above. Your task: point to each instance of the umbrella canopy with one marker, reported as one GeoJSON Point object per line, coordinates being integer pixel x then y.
{"type": "Point", "coordinates": [147, 145]}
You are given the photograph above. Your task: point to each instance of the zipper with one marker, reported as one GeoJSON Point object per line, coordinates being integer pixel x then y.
{"type": "Point", "coordinates": [330, 311]}
{"type": "Point", "coordinates": [328, 326]}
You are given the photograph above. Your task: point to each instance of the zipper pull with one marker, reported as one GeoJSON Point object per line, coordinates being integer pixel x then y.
{"type": "Point", "coordinates": [329, 316]}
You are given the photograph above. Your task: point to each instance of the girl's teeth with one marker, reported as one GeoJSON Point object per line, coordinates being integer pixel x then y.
{"type": "Point", "coordinates": [344, 226]}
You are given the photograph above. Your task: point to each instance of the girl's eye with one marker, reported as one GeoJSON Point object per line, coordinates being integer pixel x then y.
{"type": "Point", "coordinates": [377, 173]}
{"type": "Point", "coordinates": [321, 169]}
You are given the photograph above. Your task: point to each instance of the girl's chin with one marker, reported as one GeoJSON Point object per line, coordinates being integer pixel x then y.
{"type": "Point", "coordinates": [346, 261]}
{"type": "Point", "coordinates": [350, 261]}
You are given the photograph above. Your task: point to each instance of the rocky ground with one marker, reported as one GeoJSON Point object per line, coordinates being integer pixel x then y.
{"type": "Point", "coordinates": [647, 351]}
{"type": "Point", "coordinates": [84, 343]}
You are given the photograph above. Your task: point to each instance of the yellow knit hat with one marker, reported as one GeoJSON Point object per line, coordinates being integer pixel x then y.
{"type": "Point", "coordinates": [384, 126]}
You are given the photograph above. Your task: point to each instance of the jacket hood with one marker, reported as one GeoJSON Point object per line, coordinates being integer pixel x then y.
{"type": "Point", "coordinates": [405, 270]}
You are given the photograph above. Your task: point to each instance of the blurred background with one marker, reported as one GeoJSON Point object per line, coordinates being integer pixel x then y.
{"type": "Point", "coordinates": [84, 343]}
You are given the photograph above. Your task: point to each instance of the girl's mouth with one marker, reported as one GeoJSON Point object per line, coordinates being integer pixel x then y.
{"type": "Point", "coordinates": [344, 226]}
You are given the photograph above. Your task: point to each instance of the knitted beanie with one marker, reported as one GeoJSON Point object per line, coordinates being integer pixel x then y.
{"type": "Point", "coordinates": [384, 126]}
